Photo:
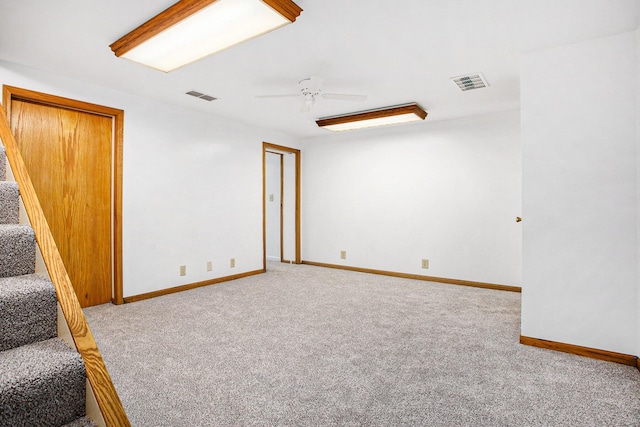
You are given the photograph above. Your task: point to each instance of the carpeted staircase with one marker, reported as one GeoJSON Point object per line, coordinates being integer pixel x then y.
{"type": "Point", "coordinates": [42, 379]}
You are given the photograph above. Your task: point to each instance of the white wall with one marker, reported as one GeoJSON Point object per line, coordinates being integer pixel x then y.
{"type": "Point", "coordinates": [448, 191]}
{"type": "Point", "coordinates": [192, 185]}
{"type": "Point", "coordinates": [580, 189]}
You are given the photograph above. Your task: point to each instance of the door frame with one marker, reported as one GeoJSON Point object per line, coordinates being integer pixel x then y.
{"type": "Point", "coordinates": [266, 146]}
{"type": "Point", "coordinates": [9, 93]}
{"type": "Point", "coordinates": [281, 199]}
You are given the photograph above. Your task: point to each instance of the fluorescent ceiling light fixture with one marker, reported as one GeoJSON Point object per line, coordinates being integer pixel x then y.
{"type": "Point", "coordinates": [381, 117]}
{"type": "Point", "coordinates": [192, 29]}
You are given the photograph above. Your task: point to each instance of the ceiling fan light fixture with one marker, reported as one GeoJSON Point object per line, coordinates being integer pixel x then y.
{"type": "Point", "coordinates": [380, 117]}
{"type": "Point", "coordinates": [193, 29]}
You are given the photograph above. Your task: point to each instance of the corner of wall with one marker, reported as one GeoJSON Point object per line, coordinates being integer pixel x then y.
{"type": "Point", "coordinates": [638, 163]}
{"type": "Point", "coordinates": [568, 191]}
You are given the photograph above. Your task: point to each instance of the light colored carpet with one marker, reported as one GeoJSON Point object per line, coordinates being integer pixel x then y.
{"type": "Point", "coordinates": [308, 346]}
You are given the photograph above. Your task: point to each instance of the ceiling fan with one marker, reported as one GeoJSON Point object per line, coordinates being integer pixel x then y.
{"type": "Point", "coordinates": [310, 89]}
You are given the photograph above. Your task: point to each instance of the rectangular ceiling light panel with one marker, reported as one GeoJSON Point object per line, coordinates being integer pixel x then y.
{"type": "Point", "coordinates": [193, 29]}
{"type": "Point", "coordinates": [381, 117]}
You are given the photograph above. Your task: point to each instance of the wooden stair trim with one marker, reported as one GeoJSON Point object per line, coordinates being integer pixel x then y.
{"type": "Point", "coordinates": [97, 374]}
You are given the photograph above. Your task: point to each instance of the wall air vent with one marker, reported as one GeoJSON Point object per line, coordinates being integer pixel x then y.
{"type": "Point", "coordinates": [470, 81]}
{"type": "Point", "coordinates": [201, 95]}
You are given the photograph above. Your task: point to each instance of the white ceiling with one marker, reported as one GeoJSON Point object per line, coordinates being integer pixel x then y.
{"type": "Point", "coordinates": [393, 51]}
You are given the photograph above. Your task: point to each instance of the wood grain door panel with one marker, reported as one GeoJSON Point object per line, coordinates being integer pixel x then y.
{"type": "Point", "coordinates": [68, 156]}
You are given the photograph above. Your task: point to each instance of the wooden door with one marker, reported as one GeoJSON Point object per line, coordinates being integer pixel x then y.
{"type": "Point", "coordinates": [68, 154]}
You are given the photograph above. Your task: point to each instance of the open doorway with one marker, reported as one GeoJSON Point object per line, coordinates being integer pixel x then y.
{"type": "Point", "coordinates": [281, 204]}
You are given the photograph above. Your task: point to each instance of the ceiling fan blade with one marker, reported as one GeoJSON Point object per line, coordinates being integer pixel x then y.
{"type": "Point", "coordinates": [291, 95]}
{"type": "Point", "coordinates": [344, 97]}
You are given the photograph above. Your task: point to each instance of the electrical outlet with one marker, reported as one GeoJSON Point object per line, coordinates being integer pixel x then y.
{"type": "Point", "coordinates": [183, 270]}
{"type": "Point", "coordinates": [343, 254]}
{"type": "Point", "coordinates": [209, 266]}
{"type": "Point", "coordinates": [232, 263]}
{"type": "Point", "coordinates": [271, 197]}
{"type": "Point", "coordinates": [425, 263]}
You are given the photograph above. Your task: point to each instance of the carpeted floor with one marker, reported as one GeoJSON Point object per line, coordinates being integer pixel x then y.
{"type": "Point", "coordinates": [308, 346]}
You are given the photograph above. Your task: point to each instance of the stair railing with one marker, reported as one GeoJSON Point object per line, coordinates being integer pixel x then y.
{"type": "Point", "coordinates": [97, 374]}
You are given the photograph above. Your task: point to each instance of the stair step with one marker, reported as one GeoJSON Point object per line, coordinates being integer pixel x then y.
{"type": "Point", "coordinates": [9, 202]}
{"type": "Point", "coordinates": [41, 384]}
{"type": "Point", "coordinates": [17, 250]}
{"type": "Point", "coordinates": [82, 422]}
{"type": "Point", "coordinates": [28, 310]}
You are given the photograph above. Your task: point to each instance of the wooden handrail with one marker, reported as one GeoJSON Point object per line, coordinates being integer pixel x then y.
{"type": "Point", "coordinates": [97, 374]}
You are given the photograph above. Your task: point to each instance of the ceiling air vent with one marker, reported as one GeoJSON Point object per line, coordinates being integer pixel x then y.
{"type": "Point", "coordinates": [470, 81]}
{"type": "Point", "coordinates": [201, 95]}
